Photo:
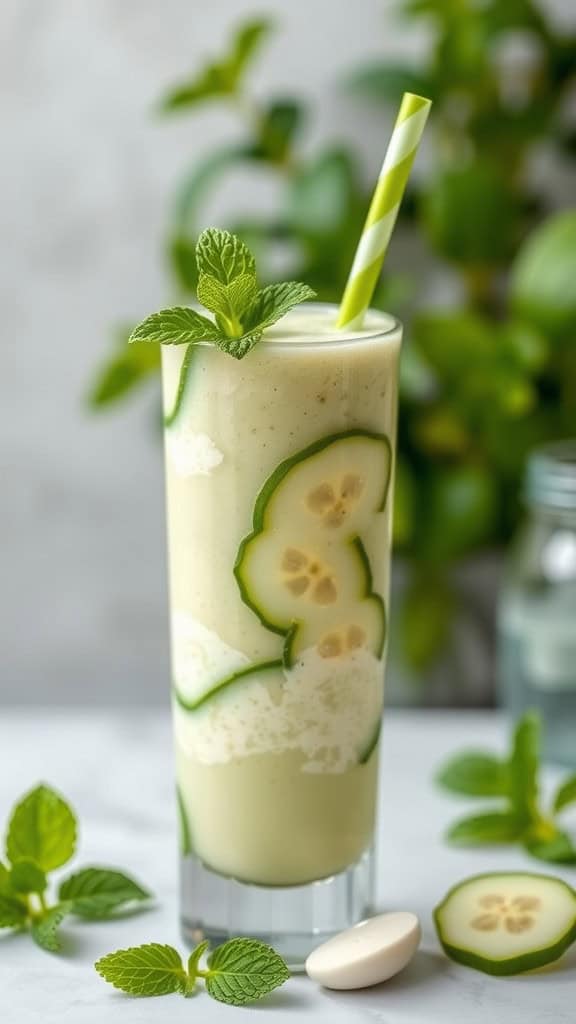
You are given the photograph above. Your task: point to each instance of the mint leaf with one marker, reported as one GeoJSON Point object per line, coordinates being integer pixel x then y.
{"type": "Point", "coordinates": [273, 302]}
{"type": "Point", "coordinates": [227, 287]}
{"type": "Point", "coordinates": [224, 256]}
{"type": "Point", "coordinates": [42, 828]}
{"type": "Point", "coordinates": [480, 829]}
{"type": "Point", "coordinates": [13, 913]}
{"type": "Point", "coordinates": [239, 347]}
{"type": "Point", "coordinates": [27, 877]}
{"type": "Point", "coordinates": [523, 768]}
{"type": "Point", "coordinates": [565, 794]}
{"type": "Point", "coordinates": [4, 878]}
{"type": "Point", "coordinates": [558, 849]}
{"type": "Point", "coordinates": [149, 970]}
{"type": "Point", "coordinates": [194, 959]}
{"type": "Point", "coordinates": [227, 301]}
{"type": "Point", "coordinates": [474, 774]}
{"type": "Point", "coordinates": [95, 893]}
{"type": "Point", "coordinates": [243, 970]}
{"type": "Point", "coordinates": [45, 930]}
{"type": "Point", "coordinates": [179, 325]}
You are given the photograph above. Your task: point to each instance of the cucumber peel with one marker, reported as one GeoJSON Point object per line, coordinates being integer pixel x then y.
{"type": "Point", "coordinates": [171, 416]}
{"type": "Point", "coordinates": [507, 923]}
{"type": "Point", "coordinates": [184, 830]}
{"type": "Point", "coordinates": [263, 668]}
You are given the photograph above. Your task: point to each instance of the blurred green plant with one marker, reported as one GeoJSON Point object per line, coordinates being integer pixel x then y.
{"type": "Point", "coordinates": [483, 381]}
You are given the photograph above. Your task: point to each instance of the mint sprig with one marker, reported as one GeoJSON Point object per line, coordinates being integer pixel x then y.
{"type": "Point", "coordinates": [240, 971]}
{"type": "Point", "coordinates": [227, 288]}
{"type": "Point", "coordinates": [41, 836]}
{"type": "Point", "coordinates": [518, 817]}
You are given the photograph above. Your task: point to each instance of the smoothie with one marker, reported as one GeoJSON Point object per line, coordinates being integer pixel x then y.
{"type": "Point", "coordinates": [279, 478]}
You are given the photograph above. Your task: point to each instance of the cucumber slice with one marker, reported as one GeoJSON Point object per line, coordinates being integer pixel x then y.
{"type": "Point", "coordinates": [303, 570]}
{"type": "Point", "coordinates": [171, 414]}
{"type": "Point", "coordinates": [335, 486]}
{"type": "Point", "coordinates": [249, 673]}
{"type": "Point", "coordinates": [362, 627]}
{"type": "Point", "coordinates": [325, 713]}
{"type": "Point", "coordinates": [507, 923]}
{"type": "Point", "coordinates": [200, 659]}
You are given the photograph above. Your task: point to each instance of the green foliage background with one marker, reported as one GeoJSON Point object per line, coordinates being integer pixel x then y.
{"type": "Point", "coordinates": [482, 381]}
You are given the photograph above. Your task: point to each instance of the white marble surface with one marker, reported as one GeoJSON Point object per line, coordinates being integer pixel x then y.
{"type": "Point", "coordinates": [116, 770]}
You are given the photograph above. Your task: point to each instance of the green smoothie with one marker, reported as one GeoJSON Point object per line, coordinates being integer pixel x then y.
{"type": "Point", "coordinates": [279, 477]}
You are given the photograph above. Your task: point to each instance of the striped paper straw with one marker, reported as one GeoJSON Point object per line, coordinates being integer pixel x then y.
{"type": "Point", "coordinates": [383, 210]}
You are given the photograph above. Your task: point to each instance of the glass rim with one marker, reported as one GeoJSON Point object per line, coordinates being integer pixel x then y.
{"type": "Point", "coordinates": [393, 326]}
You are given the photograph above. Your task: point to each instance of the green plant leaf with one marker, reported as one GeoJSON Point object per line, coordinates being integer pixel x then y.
{"type": "Point", "coordinates": [425, 620]}
{"type": "Point", "coordinates": [279, 126]}
{"type": "Point", "coordinates": [565, 794]}
{"type": "Point", "coordinates": [454, 341]}
{"type": "Point", "coordinates": [148, 970]}
{"type": "Point", "coordinates": [13, 913]}
{"type": "Point", "coordinates": [179, 325]}
{"type": "Point", "coordinates": [26, 877]}
{"type": "Point", "coordinates": [471, 216]}
{"type": "Point", "coordinates": [405, 503]}
{"type": "Point", "coordinates": [224, 256]}
{"type": "Point", "coordinates": [4, 879]}
{"type": "Point", "coordinates": [385, 83]}
{"type": "Point", "coordinates": [95, 893]}
{"type": "Point", "coordinates": [196, 186]}
{"type": "Point", "coordinates": [243, 970]}
{"type": "Point", "coordinates": [474, 774]}
{"type": "Point", "coordinates": [461, 510]}
{"type": "Point", "coordinates": [181, 254]}
{"type": "Point", "coordinates": [45, 931]}
{"type": "Point", "coordinates": [246, 43]}
{"type": "Point", "coordinates": [219, 78]}
{"type": "Point", "coordinates": [123, 373]}
{"type": "Point", "coordinates": [484, 829]}
{"type": "Point", "coordinates": [543, 274]}
{"type": "Point", "coordinates": [42, 828]}
{"type": "Point", "coordinates": [322, 195]}
{"type": "Point", "coordinates": [523, 769]}
{"type": "Point", "coordinates": [558, 849]}
{"type": "Point", "coordinates": [273, 302]}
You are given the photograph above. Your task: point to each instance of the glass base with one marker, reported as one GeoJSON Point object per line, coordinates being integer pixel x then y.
{"type": "Point", "coordinates": [294, 920]}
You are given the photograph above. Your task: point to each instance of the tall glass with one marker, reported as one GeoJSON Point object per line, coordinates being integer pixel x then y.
{"type": "Point", "coordinates": [279, 494]}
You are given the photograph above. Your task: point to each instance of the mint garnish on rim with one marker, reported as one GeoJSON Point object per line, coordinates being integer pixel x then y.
{"type": "Point", "coordinates": [227, 288]}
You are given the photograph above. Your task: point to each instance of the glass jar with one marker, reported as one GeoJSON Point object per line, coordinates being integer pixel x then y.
{"type": "Point", "coordinates": [537, 613]}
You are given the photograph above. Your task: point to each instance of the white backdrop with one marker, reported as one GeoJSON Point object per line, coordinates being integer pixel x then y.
{"type": "Point", "coordinates": [85, 174]}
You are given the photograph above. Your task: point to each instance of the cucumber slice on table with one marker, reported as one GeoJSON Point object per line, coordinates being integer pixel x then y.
{"type": "Point", "coordinates": [507, 923]}
{"type": "Point", "coordinates": [304, 570]}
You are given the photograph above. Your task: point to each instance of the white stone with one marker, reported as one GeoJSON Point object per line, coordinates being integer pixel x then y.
{"type": "Point", "coordinates": [371, 952]}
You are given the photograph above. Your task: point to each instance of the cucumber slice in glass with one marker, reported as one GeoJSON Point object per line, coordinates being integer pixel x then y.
{"type": "Point", "coordinates": [334, 486]}
{"type": "Point", "coordinates": [184, 832]}
{"type": "Point", "coordinates": [304, 570]}
{"type": "Point", "coordinates": [507, 923]}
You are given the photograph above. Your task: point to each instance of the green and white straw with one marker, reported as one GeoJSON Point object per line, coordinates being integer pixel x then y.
{"type": "Point", "coordinates": [383, 210]}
